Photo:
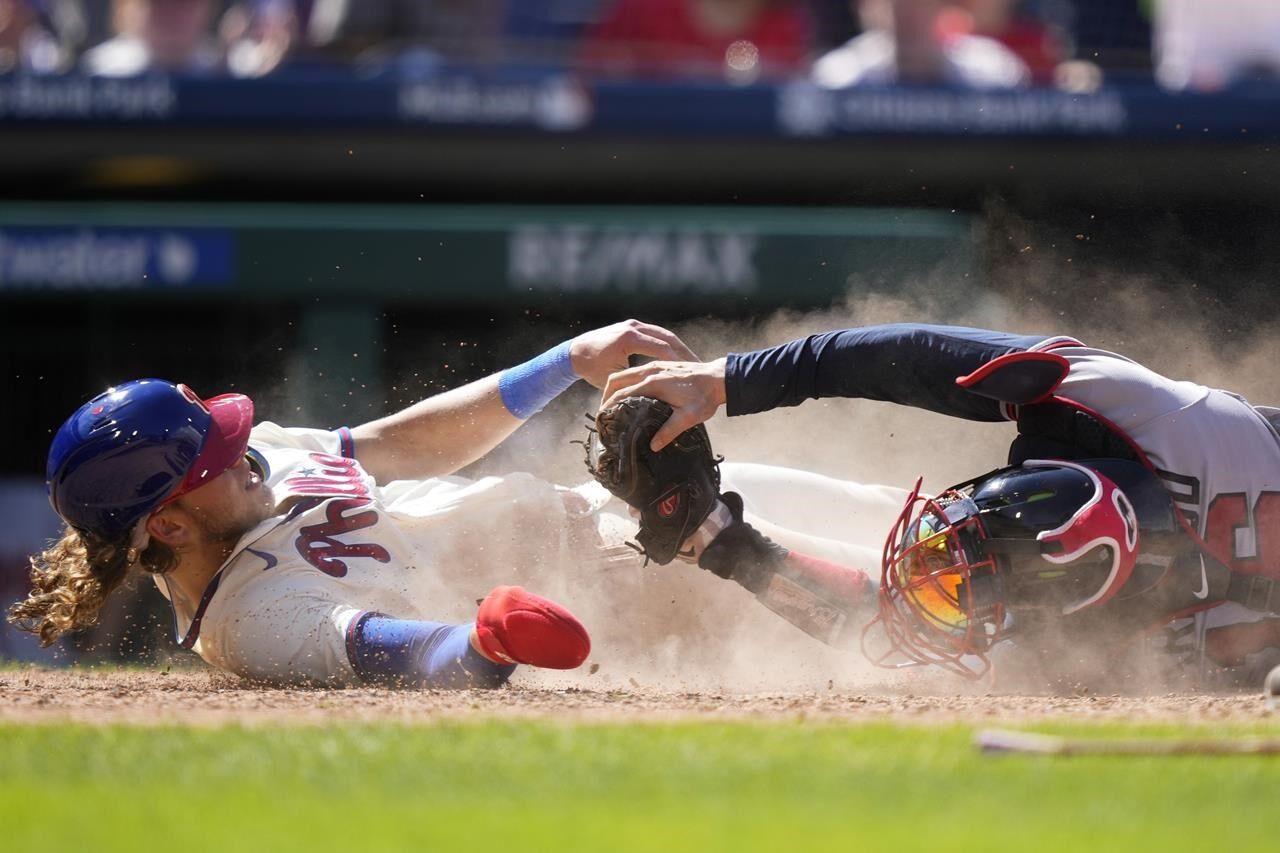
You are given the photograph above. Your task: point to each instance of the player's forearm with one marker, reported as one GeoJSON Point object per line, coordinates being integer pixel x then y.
{"type": "Point", "coordinates": [825, 600]}
{"type": "Point", "coordinates": [451, 430]}
{"type": "Point", "coordinates": [909, 364]}
{"type": "Point", "coordinates": [436, 436]}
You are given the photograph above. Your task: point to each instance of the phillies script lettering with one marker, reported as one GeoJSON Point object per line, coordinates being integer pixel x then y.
{"type": "Point", "coordinates": [317, 545]}
{"type": "Point", "coordinates": [334, 475]}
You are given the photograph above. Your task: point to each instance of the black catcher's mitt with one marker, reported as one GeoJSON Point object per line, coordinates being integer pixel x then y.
{"type": "Point", "coordinates": [674, 489]}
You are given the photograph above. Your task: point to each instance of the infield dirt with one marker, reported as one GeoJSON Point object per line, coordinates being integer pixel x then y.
{"type": "Point", "coordinates": [205, 698]}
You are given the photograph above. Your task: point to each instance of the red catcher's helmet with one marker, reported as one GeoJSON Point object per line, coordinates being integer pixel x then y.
{"type": "Point", "coordinates": [957, 569]}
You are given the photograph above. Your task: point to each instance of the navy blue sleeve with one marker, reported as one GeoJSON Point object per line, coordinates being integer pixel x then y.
{"type": "Point", "coordinates": [420, 654]}
{"type": "Point", "coordinates": [911, 364]}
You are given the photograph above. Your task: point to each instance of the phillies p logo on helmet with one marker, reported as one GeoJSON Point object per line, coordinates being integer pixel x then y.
{"type": "Point", "coordinates": [193, 397]}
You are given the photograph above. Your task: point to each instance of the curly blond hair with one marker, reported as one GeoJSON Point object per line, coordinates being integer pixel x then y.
{"type": "Point", "coordinates": [72, 579]}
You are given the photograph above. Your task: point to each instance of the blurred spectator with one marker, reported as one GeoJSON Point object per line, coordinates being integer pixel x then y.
{"type": "Point", "coordinates": [1040, 45]}
{"type": "Point", "coordinates": [376, 32]}
{"type": "Point", "coordinates": [547, 30]}
{"type": "Point", "coordinates": [166, 35]}
{"type": "Point", "coordinates": [257, 35]}
{"type": "Point", "coordinates": [1208, 45]}
{"type": "Point", "coordinates": [834, 23]}
{"type": "Point", "coordinates": [919, 41]}
{"type": "Point", "coordinates": [27, 41]}
{"type": "Point", "coordinates": [1116, 34]}
{"type": "Point", "coordinates": [98, 20]}
{"type": "Point", "coordinates": [741, 40]}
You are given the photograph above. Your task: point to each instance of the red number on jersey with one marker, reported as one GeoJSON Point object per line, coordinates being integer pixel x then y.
{"type": "Point", "coordinates": [1241, 539]}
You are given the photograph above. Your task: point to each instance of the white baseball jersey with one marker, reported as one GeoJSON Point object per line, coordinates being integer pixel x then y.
{"type": "Point", "coordinates": [281, 606]}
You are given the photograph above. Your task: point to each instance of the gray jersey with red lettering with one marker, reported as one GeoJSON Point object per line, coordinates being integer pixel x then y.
{"type": "Point", "coordinates": [1218, 456]}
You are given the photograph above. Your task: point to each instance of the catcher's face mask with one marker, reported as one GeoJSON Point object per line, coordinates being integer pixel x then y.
{"type": "Point", "coordinates": [1055, 536]}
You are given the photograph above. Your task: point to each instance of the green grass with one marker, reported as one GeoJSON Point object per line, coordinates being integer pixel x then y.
{"type": "Point", "coordinates": [493, 786]}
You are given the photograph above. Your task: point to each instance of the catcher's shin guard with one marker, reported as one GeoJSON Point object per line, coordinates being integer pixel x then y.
{"type": "Point", "coordinates": [674, 489]}
{"type": "Point", "coordinates": [515, 626]}
{"type": "Point", "coordinates": [823, 599]}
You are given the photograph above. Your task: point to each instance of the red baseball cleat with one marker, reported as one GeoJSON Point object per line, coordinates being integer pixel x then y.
{"type": "Point", "coordinates": [519, 627]}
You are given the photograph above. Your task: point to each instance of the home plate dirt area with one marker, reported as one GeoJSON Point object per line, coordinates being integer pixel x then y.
{"type": "Point", "coordinates": [197, 697]}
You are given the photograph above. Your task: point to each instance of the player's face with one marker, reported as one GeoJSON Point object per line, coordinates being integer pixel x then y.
{"type": "Point", "coordinates": [229, 505]}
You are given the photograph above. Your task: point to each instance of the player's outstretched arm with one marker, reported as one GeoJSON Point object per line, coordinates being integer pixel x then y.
{"type": "Point", "coordinates": [911, 364]}
{"type": "Point", "coordinates": [443, 433]}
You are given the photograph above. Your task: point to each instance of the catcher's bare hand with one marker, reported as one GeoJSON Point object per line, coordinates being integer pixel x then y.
{"type": "Point", "coordinates": [600, 352]}
{"type": "Point", "coordinates": [695, 390]}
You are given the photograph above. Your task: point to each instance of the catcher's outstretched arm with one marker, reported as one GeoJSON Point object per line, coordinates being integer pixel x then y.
{"type": "Point", "coordinates": [911, 364]}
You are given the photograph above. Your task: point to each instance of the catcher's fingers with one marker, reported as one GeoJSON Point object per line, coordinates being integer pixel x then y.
{"type": "Point", "coordinates": [696, 385]}
{"type": "Point", "coordinates": [657, 385]}
{"type": "Point", "coordinates": [619, 384]}
{"type": "Point", "coordinates": [682, 418]}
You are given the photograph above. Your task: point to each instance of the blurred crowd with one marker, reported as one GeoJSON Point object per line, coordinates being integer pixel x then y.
{"type": "Point", "coordinates": [981, 43]}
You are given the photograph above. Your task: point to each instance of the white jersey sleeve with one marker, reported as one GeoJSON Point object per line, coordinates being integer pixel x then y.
{"type": "Point", "coordinates": [270, 436]}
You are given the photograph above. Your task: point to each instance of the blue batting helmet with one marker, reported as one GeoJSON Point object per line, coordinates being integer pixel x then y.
{"type": "Point", "coordinates": [137, 446]}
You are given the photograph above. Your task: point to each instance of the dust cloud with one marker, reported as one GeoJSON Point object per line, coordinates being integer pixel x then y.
{"type": "Point", "coordinates": [676, 627]}
{"type": "Point", "coordinates": [679, 628]}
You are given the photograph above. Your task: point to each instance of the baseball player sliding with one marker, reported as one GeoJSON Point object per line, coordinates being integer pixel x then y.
{"type": "Point", "coordinates": [1130, 500]}
{"type": "Point", "coordinates": [313, 555]}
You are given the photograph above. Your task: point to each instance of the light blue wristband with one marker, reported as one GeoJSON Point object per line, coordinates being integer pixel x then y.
{"type": "Point", "coordinates": [527, 388]}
